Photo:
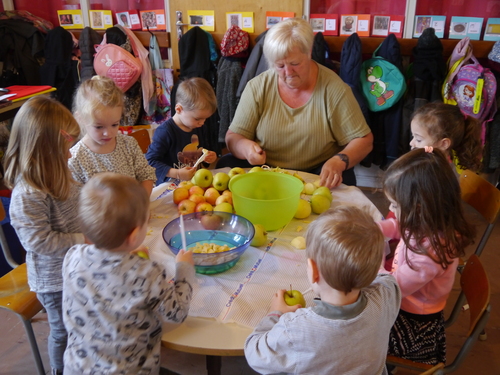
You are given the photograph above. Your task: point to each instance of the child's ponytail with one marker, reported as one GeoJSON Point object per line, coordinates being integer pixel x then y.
{"type": "Point", "coordinates": [469, 150]}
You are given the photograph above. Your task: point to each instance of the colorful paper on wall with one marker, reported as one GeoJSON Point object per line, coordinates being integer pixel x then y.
{"type": "Point", "coordinates": [244, 20]}
{"type": "Point", "coordinates": [205, 19]}
{"type": "Point", "coordinates": [460, 27]}
{"type": "Point", "coordinates": [423, 22]}
{"type": "Point", "coordinates": [100, 19]}
{"type": "Point", "coordinates": [492, 31]}
{"type": "Point", "coordinates": [325, 23]}
{"type": "Point", "coordinates": [272, 18]}
{"type": "Point", "coordinates": [129, 19]}
{"type": "Point", "coordinates": [355, 23]}
{"type": "Point", "coordinates": [153, 19]}
{"type": "Point", "coordinates": [384, 25]}
{"type": "Point", "coordinates": [70, 19]}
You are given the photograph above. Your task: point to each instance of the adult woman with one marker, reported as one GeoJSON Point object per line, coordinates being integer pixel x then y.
{"type": "Point", "coordinates": [299, 114]}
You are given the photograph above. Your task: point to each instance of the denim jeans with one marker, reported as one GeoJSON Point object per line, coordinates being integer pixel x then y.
{"type": "Point", "coordinates": [52, 302]}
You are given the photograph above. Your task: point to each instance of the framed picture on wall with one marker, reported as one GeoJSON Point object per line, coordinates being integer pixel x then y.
{"type": "Point", "coordinates": [100, 19]}
{"type": "Point", "coordinates": [153, 20]}
{"type": "Point", "coordinates": [70, 19]}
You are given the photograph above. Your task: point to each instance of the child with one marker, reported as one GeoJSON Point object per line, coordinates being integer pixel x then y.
{"type": "Point", "coordinates": [42, 205]}
{"type": "Point", "coordinates": [429, 220]}
{"type": "Point", "coordinates": [114, 301]}
{"type": "Point", "coordinates": [196, 102]}
{"type": "Point", "coordinates": [444, 126]}
{"type": "Point", "coordinates": [357, 307]}
{"type": "Point", "coordinates": [98, 107]}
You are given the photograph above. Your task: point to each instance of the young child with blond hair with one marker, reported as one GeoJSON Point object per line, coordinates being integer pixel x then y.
{"type": "Point", "coordinates": [357, 305]}
{"type": "Point", "coordinates": [42, 206]}
{"type": "Point", "coordinates": [195, 102]}
{"type": "Point", "coordinates": [115, 301]}
{"type": "Point", "coordinates": [98, 108]}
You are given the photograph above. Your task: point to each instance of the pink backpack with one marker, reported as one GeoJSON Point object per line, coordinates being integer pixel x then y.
{"type": "Point", "coordinates": [118, 64]}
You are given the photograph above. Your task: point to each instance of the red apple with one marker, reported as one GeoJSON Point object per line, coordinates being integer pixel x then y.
{"type": "Point", "coordinates": [224, 198]}
{"type": "Point", "coordinates": [211, 195]}
{"type": "Point", "coordinates": [211, 221]}
{"type": "Point", "coordinates": [203, 206]}
{"type": "Point", "coordinates": [180, 194]}
{"type": "Point", "coordinates": [186, 207]}
{"type": "Point", "coordinates": [197, 198]}
{"type": "Point", "coordinates": [196, 190]}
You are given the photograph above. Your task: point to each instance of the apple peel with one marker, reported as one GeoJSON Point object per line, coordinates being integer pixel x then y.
{"type": "Point", "coordinates": [299, 243]}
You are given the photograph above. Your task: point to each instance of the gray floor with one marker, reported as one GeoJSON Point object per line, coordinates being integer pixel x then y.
{"type": "Point", "coordinates": [16, 359]}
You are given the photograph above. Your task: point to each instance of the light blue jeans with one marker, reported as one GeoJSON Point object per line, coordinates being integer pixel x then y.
{"type": "Point", "coordinates": [58, 338]}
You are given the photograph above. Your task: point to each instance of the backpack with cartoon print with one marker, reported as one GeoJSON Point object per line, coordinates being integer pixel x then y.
{"type": "Point", "coordinates": [382, 83]}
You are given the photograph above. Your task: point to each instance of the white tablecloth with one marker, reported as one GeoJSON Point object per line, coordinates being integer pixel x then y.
{"type": "Point", "coordinates": [243, 293]}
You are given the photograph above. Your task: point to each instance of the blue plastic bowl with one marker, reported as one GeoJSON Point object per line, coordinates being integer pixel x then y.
{"type": "Point", "coordinates": [221, 228]}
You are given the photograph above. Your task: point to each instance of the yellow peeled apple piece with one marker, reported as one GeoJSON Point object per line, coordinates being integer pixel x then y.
{"type": "Point", "coordinates": [303, 210]}
{"type": "Point", "coordinates": [309, 188]}
{"type": "Point", "coordinates": [143, 254]}
{"type": "Point", "coordinates": [317, 183]}
{"type": "Point", "coordinates": [323, 190]}
{"type": "Point", "coordinates": [299, 243]}
{"type": "Point", "coordinates": [319, 204]}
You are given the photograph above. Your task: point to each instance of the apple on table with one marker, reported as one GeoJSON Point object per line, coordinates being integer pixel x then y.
{"type": "Point", "coordinates": [260, 236]}
{"type": "Point", "coordinates": [202, 178]}
{"type": "Point", "coordinates": [186, 207]}
{"type": "Point", "coordinates": [180, 194]}
{"type": "Point", "coordinates": [203, 206]}
{"type": "Point", "coordinates": [236, 171]}
{"type": "Point", "coordinates": [220, 181]}
{"type": "Point", "coordinates": [211, 195]}
{"type": "Point", "coordinates": [211, 221]}
{"type": "Point", "coordinates": [224, 207]}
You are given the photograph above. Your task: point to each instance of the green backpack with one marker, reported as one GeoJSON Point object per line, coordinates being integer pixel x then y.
{"type": "Point", "coordinates": [382, 83]}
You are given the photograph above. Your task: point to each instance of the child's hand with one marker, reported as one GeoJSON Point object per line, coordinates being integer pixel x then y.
{"type": "Point", "coordinates": [278, 303]}
{"type": "Point", "coordinates": [210, 157]}
{"type": "Point", "coordinates": [185, 256]}
{"type": "Point", "coordinates": [186, 173]}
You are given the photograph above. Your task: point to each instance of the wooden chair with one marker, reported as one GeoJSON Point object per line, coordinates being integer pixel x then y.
{"type": "Point", "coordinates": [484, 198]}
{"type": "Point", "coordinates": [476, 291]}
{"type": "Point", "coordinates": [143, 138]}
{"type": "Point", "coordinates": [15, 296]}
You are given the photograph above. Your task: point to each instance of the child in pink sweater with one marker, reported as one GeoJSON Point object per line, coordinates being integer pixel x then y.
{"type": "Point", "coordinates": [429, 220]}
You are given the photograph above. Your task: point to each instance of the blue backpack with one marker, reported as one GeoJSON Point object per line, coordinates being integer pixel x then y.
{"type": "Point", "coordinates": [382, 83]}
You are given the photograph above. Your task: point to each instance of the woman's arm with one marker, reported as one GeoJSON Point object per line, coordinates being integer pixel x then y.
{"type": "Point", "coordinates": [244, 148]}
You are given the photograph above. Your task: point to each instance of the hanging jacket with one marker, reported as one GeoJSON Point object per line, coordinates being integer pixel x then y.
{"type": "Point", "coordinates": [195, 61]}
{"type": "Point", "coordinates": [88, 38]}
{"type": "Point", "coordinates": [60, 70]}
{"type": "Point", "coordinates": [256, 64]}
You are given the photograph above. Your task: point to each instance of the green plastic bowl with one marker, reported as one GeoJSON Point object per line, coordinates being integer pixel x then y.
{"type": "Point", "coordinates": [267, 198]}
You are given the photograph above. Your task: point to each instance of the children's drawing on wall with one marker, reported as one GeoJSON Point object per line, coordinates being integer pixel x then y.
{"type": "Point", "coordinates": [381, 25]}
{"type": "Point", "coordinates": [196, 20]}
{"type": "Point", "coordinates": [149, 19]}
{"type": "Point", "coordinates": [349, 24]}
{"type": "Point", "coordinates": [271, 21]}
{"type": "Point", "coordinates": [97, 20]}
{"type": "Point", "coordinates": [123, 19]}
{"type": "Point", "coordinates": [318, 24]}
{"type": "Point", "coordinates": [66, 19]}
{"type": "Point", "coordinates": [422, 24]}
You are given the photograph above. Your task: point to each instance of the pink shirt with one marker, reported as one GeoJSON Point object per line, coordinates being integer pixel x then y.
{"type": "Point", "coordinates": [426, 287]}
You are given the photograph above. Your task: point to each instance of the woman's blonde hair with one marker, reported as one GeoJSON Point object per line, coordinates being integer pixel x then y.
{"type": "Point", "coordinates": [196, 93]}
{"type": "Point", "coordinates": [283, 37]}
{"type": "Point", "coordinates": [92, 97]}
{"type": "Point", "coordinates": [347, 246]}
{"type": "Point", "coordinates": [111, 207]}
{"type": "Point", "coordinates": [42, 134]}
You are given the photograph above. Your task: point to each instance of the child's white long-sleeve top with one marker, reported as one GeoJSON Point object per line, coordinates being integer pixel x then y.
{"type": "Point", "coordinates": [426, 287]}
{"type": "Point", "coordinates": [327, 339]}
{"type": "Point", "coordinates": [47, 228]}
{"type": "Point", "coordinates": [113, 308]}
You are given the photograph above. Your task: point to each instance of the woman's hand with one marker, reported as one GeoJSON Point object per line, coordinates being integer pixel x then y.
{"type": "Point", "coordinates": [331, 173]}
{"type": "Point", "coordinates": [255, 154]}
{"type": "Point", "coordinates": [278, 303]}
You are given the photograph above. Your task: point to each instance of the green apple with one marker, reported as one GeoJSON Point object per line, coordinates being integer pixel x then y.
{"type": "Point", "coordinates": [294, 297]}
{"type": "Point", "coordinates": [260, 237]}
{"type": "Point", "coordinates": [304, 209]}
{"type": "Point", "coordinates": [256, 169]}
{"type": "Point", "coordinates": [309, 188]}
{"type": "Point", "coordinates": [235, 171]}
{"type": "Point", "coordinates": [224, 207]}
{"type": "Point", "coordinates": [203, 178]}
{"type": "Point", "coordinates": [323, 190]}
{"type": "Point", "coordinates": [220, 181]}
{"type": "Point", "coordinates": [319, 204]}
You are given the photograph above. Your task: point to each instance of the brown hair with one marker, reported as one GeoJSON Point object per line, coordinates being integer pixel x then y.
{"type": "Point", "coordinates": [196, 93]}
{"type": "Point", "coordinates": [92, 97]}
{"type": "Point", "coordinates": [428, 195]}
{"type": "Point", "coordinates": [111, 207]}
{"type": "Point", "coordinates": [347, 246]}
{"type": "Point", "coordinates": [42, 134]}
{"type": "Point", "coordinates": [447, 121]}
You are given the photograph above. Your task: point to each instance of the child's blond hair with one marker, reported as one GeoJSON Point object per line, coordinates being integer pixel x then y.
{"type": "Point", "coordinates": [42, 134]}
{"type": "Point", "coordinates": [111, 207]}
{"type": "Point", "coordinates": [347, 246]}
{"type": "Point", "coordinates": [196, 94]}
{"type": "Point", "coordinates": [92, 97]}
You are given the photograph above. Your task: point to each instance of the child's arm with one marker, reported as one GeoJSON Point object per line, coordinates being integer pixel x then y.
{"type": "Point", "coordinates": [158, 154]}
{"type": "Point", "coordinates": [148, 185]}
{"type": "Point", "coordinates": [143, 171]}
{"type": "Point", "coordinates": [31, 217]}
{"type": "Point", "coordinates": [183, 174]}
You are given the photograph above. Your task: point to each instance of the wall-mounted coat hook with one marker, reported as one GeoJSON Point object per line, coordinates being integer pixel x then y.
{"type": "Point", "coordinates": [179, 24]}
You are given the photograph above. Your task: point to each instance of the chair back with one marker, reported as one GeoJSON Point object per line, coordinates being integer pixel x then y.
{"type": "Point", "coordinates": [480, 194]}
{"type": "Point", "coordinates": [143, 138]}
{"type": "Point", "coordinates": [3, 242]}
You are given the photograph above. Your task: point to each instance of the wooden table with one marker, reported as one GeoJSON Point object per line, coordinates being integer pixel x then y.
{"type": "Point", "coordinates": [213, 338]}
{"type": "Point", "coordinates": [10, 111]}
